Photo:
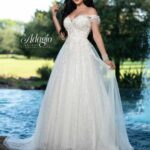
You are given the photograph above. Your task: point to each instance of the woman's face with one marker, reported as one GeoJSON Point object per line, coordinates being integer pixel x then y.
{"type": "Point", "coordinates": [77, 2]}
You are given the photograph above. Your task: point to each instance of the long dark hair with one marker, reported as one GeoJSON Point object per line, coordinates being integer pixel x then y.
{"type": "Point", "coordinates": [70, 6]}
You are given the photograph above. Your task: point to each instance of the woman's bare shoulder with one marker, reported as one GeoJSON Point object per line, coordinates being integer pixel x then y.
{"type": "Point", "coordinates": [92, 11]}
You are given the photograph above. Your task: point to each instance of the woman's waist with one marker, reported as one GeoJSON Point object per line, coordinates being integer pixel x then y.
{"type": "Point", "coordinates": [77, 38]}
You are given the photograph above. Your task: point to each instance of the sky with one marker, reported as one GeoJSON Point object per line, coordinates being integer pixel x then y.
{"type": "Point", "coordinates": [22, 10]}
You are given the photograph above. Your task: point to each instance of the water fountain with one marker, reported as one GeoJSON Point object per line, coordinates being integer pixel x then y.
{"type": "Point", "coordinates": [140, 116]}
{"type": "Point", "coordinates": [138, 119]}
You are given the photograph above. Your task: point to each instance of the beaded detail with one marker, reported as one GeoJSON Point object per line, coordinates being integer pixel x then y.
{"type": "Point", "coordinates": [80, 26]}
{"type": "Point", "coordinates": [95, 18]}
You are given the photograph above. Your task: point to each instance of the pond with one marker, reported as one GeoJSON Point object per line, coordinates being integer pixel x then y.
{"type": "Point", "coordinates": [19, 110]}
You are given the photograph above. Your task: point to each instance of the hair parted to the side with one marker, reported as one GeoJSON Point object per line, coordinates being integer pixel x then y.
{"type": "Point", "coordinates": [70, 6]}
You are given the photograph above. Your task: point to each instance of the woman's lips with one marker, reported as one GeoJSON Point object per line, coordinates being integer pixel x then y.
{"type": "Point", "coordinates": [76, 0]}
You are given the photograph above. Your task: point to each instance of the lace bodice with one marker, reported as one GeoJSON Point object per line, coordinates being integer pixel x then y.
{"type": "Point", "coordinates": [80, 26]}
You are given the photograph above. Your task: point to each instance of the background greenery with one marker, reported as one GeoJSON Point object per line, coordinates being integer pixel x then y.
{"type": "Point", "coordinates": [124, 27]}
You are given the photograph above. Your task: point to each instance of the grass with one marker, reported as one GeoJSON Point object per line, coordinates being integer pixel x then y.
{"type": "Point", "coordinates": [20, 72]}
{"type": "Point", "coordinates": [20, 66]}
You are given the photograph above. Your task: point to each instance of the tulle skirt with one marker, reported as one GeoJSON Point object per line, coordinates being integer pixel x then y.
{"type": "Point", "coordinates": [81, 108]}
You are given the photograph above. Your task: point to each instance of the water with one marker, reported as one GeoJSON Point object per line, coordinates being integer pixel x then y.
{"type": "Point", "coordinates": [138, 118]}
{"type": "Point", "coordinates": [137, 112]}
{"type": "Point", "coordinates": [19, 110]}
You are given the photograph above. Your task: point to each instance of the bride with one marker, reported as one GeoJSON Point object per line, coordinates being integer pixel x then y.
{"type": "Point", "coordinates": [81, 108]}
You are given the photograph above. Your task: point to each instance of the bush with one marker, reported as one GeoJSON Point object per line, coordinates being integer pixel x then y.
{"type": "Point", "coordinates": [44, 72]}
{"type": "Point", "coordinates": [131, 79]}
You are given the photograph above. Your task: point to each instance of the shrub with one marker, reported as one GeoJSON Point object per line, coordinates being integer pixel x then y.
{"type": "Point", "coordinates": [131, 79]}
{"type": "Point", "coordinates": [44, 72]}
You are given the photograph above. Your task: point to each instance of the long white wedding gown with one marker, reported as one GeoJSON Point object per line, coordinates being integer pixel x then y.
{"type": "Point", "coordinates": [81, 108]}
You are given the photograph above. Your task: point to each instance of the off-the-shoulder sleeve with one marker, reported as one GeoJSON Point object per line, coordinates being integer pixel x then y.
{"type": "Point", "coordinates": [95, 18]}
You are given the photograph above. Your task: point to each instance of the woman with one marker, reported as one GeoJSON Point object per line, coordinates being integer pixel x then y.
{"type": "Point", "coordinates": [81, 108]}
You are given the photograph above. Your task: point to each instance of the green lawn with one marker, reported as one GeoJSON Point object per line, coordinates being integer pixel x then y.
{"type": "Point", "coordinates": [20, 66]}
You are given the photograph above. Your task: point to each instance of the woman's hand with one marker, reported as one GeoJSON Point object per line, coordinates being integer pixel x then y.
{"type": "Point", "coordinates": [110, 63]}
{"type": "Point", "coordinates": [54, 9]}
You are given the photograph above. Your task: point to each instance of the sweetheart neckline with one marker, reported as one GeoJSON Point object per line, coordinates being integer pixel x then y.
{"type": "Point", "coordinates": [79, 16]}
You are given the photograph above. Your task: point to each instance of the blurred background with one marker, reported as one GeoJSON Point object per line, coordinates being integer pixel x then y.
{"type": "Point", "coordinates": [29, 46]}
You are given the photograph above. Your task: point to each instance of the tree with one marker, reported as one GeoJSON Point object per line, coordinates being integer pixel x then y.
{"type": "Point", "coordinates": [40, 27]}
{"type": "Point", "coordinates": [125, 27]}
{"type": "Point", "coordinates": [9, 30]}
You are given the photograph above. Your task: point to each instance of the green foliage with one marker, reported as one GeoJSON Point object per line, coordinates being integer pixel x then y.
{"type": "Point", "coordinates": [8, 43]}
{"type": "Point", "coordinates": [44, 72]}
{"type": "Point", "coordinates": [11, 24]}
{"type": "Point", "coordinates": [22, 83]}
{"type": "Point", "coordinates": [131, 79]}
{"type": "Point", "coordinates": [9, 31]}
{"type": "Point", "coordinates": [125, 26]}
{"type": "Point", "coordinates": [40, 26]}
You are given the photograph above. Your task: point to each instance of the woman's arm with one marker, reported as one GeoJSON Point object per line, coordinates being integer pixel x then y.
{"type": "Point", "coordinates": [54, 10]}
{"type": "Point", "coordinates": [99, 41]}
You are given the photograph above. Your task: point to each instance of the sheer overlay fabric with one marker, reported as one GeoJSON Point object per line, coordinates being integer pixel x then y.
{"type": "Point", "coordinates": [81, 108]}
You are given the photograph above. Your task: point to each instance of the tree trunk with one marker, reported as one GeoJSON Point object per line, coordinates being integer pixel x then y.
{"type": "Point", "coordinates": [117, 63]}
{"type": "Point", "coordinates": [117, 59]}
